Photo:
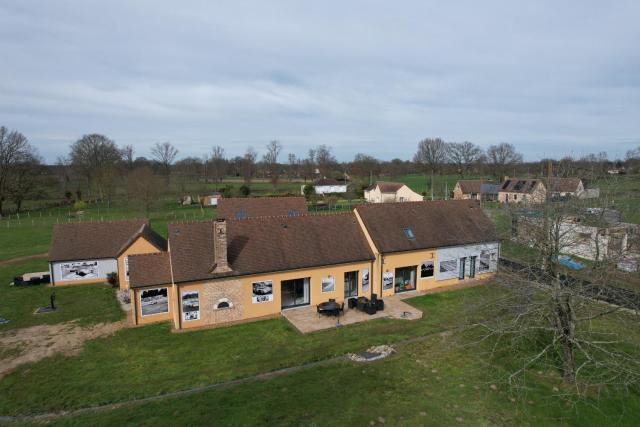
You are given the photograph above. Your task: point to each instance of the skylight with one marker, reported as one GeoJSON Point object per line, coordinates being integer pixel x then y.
{"type": "Point", "coordinates": [241, 215]}
{"type": "Point", "coordinates": [408, 233]}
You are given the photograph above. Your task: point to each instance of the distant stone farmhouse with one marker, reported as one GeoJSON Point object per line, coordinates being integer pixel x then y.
{"type": "Point", "coordinates": [385, 192]}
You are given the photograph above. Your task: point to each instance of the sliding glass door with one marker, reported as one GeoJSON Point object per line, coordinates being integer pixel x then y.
{"type": "Point", "coordinates": [294, 292]}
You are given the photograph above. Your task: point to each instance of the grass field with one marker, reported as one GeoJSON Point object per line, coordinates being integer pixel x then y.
{"type": "Point", "coordinates": [87, 304]}
{"type": "Point", "coordinates": [435, 381]}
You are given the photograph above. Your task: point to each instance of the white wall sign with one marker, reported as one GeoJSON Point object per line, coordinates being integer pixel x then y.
{"type": "Point", "coordinates": [328, 284]}
{"type": "Point", "coordinates": [365, 280]}
{"type": "Point", "coordinates": [262, 291]}
{"type": "Point", "coordinates": [387, 280]}
{"type": "Point", "coordinates": [190, 305]}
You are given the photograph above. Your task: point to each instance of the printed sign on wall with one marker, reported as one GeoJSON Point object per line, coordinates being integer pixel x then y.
{"type": "Point", "coordinates": [79, 270]}
{"type": "Point", "coordinates": [328, 284]}
{"type": "Point", "coordinates": [387, 280]}
{"type": "Point", "coordinates": [365, 280]}
{"type": "Point", "coordinates": [262, 291]}
{"type": "Point", "coordinates": [190, 305]}
{"type": "Point", "coordinates": [154, 301]}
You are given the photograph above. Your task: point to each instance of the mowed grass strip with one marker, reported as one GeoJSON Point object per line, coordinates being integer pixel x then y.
{"type": "Point", "coordinates": [432, 382]}
{"type": "Point", "coordinates": [88, 304]}
{"type": "Point", "coordinates": [150, 360]}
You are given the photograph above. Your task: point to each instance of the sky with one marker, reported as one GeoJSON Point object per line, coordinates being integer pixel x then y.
{"type": "Point", "coordinates": [554, 78]}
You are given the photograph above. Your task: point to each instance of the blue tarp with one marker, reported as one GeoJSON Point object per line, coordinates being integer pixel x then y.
{"type": "Point", "coordinates": [569, 263]}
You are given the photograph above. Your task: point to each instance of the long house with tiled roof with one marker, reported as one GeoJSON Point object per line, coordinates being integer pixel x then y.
{"type": "Point", "coordinates": [389, 192]}
{"type": "Point", "coordinates": [239, 269]}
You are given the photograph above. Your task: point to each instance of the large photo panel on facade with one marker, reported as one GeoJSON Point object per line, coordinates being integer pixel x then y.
{"type": "Point", "coordinates": [190, 305]}
{"type": "Point", "coordinates": [154, 301]}
{"type": "Point", "coordinates": [387, 280]}
{"type": "Point", "coordinates": [80, 270]}
{"type": "Point", "coordinates": [328, 284]}
{"type": "Point", "coordinates": [365, 280]}
{"type": "Point", "coordinates": [262, 291]}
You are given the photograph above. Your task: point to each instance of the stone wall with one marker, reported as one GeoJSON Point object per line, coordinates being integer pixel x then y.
{"type": "Point", "coordinates": [215, 292]}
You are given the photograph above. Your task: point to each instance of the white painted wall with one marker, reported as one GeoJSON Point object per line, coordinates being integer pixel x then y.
{"type": "Point", "coordinates": [457, 252]}
{"type": "Point", "coordinates": [328, 189]}
{"type": "Point", "coordinates": [99, 271]}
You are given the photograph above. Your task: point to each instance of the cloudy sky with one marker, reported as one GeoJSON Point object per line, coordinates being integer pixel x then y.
{"type": "Point", "coordinates": [552, 77]}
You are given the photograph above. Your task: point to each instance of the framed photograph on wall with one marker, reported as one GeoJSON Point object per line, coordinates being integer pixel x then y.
{"type": "Point", "coordinates": [190, 305]}
{"type": "Point", "coordinates": [262, 291]}
{"type": "Point", "coordinates": [426, 269]}
{"type": "Point", "coordinates": [387, 280]}
{"type": "Point", "coordinates": [328, 284]}
{"type": "Point", "coordinates": [365, 280]}
{"type": "Point", "coordinates": [154, 301]}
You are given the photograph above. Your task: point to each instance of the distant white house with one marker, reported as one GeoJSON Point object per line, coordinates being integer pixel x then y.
{"type": "Point", "coordinates": [387, 192]}
{"type": "Point", "coordinates": [327, 186]}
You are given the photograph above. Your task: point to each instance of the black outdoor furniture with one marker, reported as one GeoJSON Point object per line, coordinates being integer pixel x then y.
{"type": "Point", "coordinates": [370, 306]}
{"type": "Point", "coordinates": [352, 302]}
{"type": "Point", "coordinates": [330, 308]}
{"type": "Point", "coordinates": [32, 280]}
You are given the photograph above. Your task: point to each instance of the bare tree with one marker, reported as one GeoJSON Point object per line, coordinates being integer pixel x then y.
{"type": "Point", "coordinates": [432, 153]}
{"type": "Point", "coordinates": [501, 157]}
{"type": "Point", "coordinates": [292, 170]}
{"type": "Point", "coordinates": [464, 155]}
{"type": "Point", "coordinates": [23, 180]}
{"type": "Point", "coordinates": [127, 154]}
{"type": "Point", "coordinates": [164, 154]}
{"type": "Point", "coordinates": [364, 166]}
{"type": "Point", "coordinates": [271, 160]}
{"type": "Point", "coordinates": [549, 318]}
{"type": "Point", "coordinates": [324, 159]}
{"type": "Point", "coordinates": [15, 151]}
{"type": "Point", "coordinates": [92, 155]}
{"type": "Point", "coordinates": [217, 164]}
{"type": "Point", "coordinates": [143, 187]}
{"type": "Point", "coordinates": [249, 164]}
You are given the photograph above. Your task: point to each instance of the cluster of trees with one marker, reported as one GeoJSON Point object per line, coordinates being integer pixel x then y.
{"type": "Point", "coordinates": [19, 165]}
{"type": "Point", "coordinates": [97, 168]}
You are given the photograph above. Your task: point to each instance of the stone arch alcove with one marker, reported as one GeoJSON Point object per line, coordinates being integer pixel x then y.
{"type": "Point", "coordinates": [223, 303]}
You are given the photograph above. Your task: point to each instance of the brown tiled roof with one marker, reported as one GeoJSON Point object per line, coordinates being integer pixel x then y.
{"type": "Point", "coordinates": [516, 185]}
{"type": "Point", "coordinates": [328, 181]}
{"type": "Point", "coordinates": [387, 187]}
{"type": "Point", "coordinates": [252, 207]}
{"type": "Point", "coordinates": [95, 240]}
{"type": "Point", "coordinates": [267, 244]}
{"type": "Point", "coordinates": [469, 186]}
{"type": "Point", "coordinates": [433, 224]}
{"type": "Point", "coordinates": [563, 185]}
{"type": "Point", "coordinates": [149, 269]}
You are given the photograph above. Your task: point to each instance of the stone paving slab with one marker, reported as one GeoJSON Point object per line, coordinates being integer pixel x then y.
{"type": "Point", "coordinates": [306, 319]}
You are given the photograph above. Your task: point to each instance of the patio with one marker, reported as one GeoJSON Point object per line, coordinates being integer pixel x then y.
{"type": "Point", "coordinates": [306, 319]}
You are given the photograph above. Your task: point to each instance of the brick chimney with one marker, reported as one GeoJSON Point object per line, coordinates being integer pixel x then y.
{"type": "Point", "coordinates": [220, 246]}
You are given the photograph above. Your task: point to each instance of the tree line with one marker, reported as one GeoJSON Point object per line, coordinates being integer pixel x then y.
{"type": "Point", "coordinates": [97, 168]}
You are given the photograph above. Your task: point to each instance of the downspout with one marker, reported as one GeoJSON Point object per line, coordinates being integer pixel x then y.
{"type": "Point", "coordinates": [173, 286]}
{"type": "Point", "coordinates": [381, 273]}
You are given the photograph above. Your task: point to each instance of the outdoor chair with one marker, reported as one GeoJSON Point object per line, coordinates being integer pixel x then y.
{"type": "Point", "coordinates": [352, 302]}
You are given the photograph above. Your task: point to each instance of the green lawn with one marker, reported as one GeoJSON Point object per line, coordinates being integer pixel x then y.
{"type": "Point", "coordinates": [148, 360]}
{"type": "Point", "coordinates": [89, 304]}
{"type": "Point", "coordinates": [427, 383]}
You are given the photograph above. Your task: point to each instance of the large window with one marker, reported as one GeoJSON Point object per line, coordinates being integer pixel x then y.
{"type": "Point", "coordinates": [350, 284]}
{"type": "Point", "coordinates": [295, 292]}
{"type": "Point", "coordinates": [405, 279]}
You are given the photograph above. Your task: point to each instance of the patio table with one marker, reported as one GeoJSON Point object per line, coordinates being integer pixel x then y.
{"type": "Point", "coordinates": [329, 307]}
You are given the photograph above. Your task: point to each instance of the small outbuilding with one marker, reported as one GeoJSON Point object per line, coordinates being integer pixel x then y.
{"type": "Point", "coordinates": [86, 252]}
{"type": "Point", "coordinates": [210, 199]}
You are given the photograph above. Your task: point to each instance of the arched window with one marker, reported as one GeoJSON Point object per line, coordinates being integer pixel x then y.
{"type": "Point", "coordinates": [223, 303]}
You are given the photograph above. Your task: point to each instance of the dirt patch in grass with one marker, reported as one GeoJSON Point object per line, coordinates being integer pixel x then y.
{"type": "Point", "coordinates": [22, 258]}
{"type": "Point", "coordinates": [32, 344]}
